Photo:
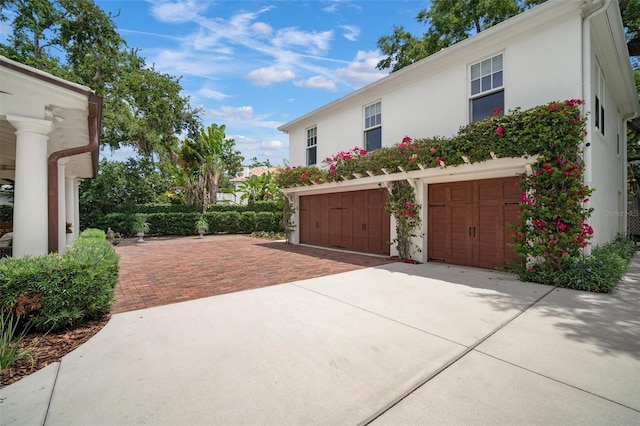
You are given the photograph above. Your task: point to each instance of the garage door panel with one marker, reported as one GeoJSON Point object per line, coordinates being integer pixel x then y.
{"type": "Point", "coordinates": [439, 233]}
{"type": "Point", "coordinates": [460, 192]}
{"type": "Point", "coordinates": [479, 212]}
{"type": "Point", "coordinates": [351, 220]}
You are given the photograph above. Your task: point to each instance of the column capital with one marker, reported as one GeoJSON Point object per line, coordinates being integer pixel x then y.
{"type": "Point", "coordinates": [30, 125]}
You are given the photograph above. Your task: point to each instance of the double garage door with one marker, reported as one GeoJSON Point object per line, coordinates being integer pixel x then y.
{"type": "Point", "coordinates": [353, 221]}
{"type": "Point", "coordinates": [469, 222]}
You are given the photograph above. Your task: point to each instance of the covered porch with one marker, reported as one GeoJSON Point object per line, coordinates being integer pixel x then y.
{"type": "Point", "coordinates": [49, 137]}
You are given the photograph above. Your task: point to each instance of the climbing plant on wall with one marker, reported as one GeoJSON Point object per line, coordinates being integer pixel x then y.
{"type": "Point", "coordinates": [553, 227]}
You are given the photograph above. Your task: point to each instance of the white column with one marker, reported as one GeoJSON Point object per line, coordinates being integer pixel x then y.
{"type": "Point", "coordinates": [62, 217]}
{"type": "Point", "coordinates": [76, 208]}
{"type": "Point", "coordinates": [30, 215]}
{"type": "Point", "coordinates": [420, 240]}
{"type": "Point", "coordinates": [70, 211]}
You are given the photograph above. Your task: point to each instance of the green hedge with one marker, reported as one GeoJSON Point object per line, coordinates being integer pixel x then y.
{"type": "Point", "coordinates": [232, 222]}
{"type": "Point", "coordinates": [56, 291]}
{"type": "Point", "coordinates": [257, 206]}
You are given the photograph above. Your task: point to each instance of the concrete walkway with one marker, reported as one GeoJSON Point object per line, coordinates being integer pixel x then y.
{"type": "Point", "coordinates": [393, 344]}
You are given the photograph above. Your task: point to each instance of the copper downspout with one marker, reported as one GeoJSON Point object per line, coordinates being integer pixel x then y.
{"type": "Point", "coordinates": [94, 120]}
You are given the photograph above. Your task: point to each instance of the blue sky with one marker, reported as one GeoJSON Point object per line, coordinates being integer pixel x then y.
{"type": "Point", "coordinates": [254, 65]}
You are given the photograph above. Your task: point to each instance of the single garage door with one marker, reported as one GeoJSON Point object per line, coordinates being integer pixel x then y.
{"type": "Point", "coordinates": [469, 222]}
{"type": "Point", "coordinates": [353, 221]}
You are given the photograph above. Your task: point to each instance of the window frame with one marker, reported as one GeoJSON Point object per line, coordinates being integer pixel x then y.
{"type": "Point", "coordinates": [600, 101]}
{"type": "Point", "coordinates": [495, 88]}
{"type": "Point", "coordinates": [369, 126]}
{"type": "Point", "coordinates": [312, 145]}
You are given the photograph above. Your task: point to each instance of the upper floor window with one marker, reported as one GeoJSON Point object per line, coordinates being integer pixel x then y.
{"type": "Point", "coordinates": [487, 88]}
{"type": "Point", "coordinates": [373, 126]}
{"type": "Point", "coordinates": [312, 142]}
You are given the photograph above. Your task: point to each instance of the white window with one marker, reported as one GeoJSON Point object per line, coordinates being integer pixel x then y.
{"type": "Point", "coordinates": [487, 88]}
{"type": "Point", "coordinates": [373, 126]}
{"type": "Point", "coordinates": [312, 142]}
{"type": "Point", "coordinates": [598, 106]}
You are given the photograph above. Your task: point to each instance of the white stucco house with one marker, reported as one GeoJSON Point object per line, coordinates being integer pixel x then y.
{"type": "Point", "coordinates": [49, 136]}
{"type": "Point", "coordinates": [556, 51]}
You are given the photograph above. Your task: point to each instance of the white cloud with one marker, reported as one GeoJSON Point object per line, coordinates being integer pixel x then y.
{"type": "Point", "coordinates": [262, 29]}
{"type": "Point", "coordinates": [189, 62]}
{"type": "Point", "coordinates": [237, 113]}
{"type": "Point", "coordinates": [244, 140]}
{"type": "Point", "coordinates": [274, 144]}
{"type": "Point", "coordinates": [208, 93]}
{"type": "Point", "coordinates": [351, 32]}
{"type": "Point", "coordinates": [267, 76]}
{"type": "Point", "coordinates": [317, 82]}
{"type": "Point", "coordinates": [312, 42]}
{"type": "Point", "coordinates": [362, 70]}
{"type": "Point", "coordinates": [334, 6]}
{"type": "Point", "coordinates": [176, 12]}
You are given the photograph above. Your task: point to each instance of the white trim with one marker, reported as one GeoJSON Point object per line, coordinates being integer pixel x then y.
{"type": "Point", "coordinates": [501, 167]}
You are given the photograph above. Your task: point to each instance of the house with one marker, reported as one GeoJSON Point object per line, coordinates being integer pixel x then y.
{"type": "Point", "coordinates": [556, 51]}
{"type": "Point", "coordinates": [49, 136]}
{"type": "Point", "coordinates": [238, 181]}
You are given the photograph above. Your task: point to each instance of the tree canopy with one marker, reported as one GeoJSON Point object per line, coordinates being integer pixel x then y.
{"type": "Point", "coordinates": [449, 22]}
{"type": "Point", "coordinates": [78, 41]}
{"type": "Point", "coordinates": [199, 166]}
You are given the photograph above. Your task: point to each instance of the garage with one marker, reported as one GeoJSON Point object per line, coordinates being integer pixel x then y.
{"type": "Point", "coordinates": [468, 222]}
{"type": "Point", "coordinates": [353, 221]}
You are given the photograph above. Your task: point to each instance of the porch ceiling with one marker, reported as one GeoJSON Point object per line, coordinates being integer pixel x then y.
{"type": "Point", "coordinates": [26, 92]}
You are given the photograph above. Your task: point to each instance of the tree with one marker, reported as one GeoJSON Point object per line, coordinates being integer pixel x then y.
{"type": "Point", "coordinates": [145, 109]}
{"type": "Point", "coordinates": [448, 23]}
{"type": "Point", "coordinates": [256, 163]}
{"type": "Point", "coordinates": [125, 183]}
{"type": "Point", "coordinates": [452, 21]}
{"type": "Point", "coordinates": [76, 40]}
{"type": "Point", "coordinates": [262, 187]}
{"type": "Point", "coordinates": [199, 165]}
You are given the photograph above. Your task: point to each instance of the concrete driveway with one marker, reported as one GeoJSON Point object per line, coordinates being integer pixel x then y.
{"type": "Point", "coordinates": [393, 344]}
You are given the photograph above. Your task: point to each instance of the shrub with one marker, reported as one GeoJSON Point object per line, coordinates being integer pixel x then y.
{"type": "Point", "coordinates": [56, 291]}
{"type": "Point", "coordinates": [230, 222]}
{"type": "Point", "coordinates": [10, 339]}
{"type": "Point", "coordinates": [265, 221]}
{"type": "Point", "coordinates": [599, 272]}
{"type": "Point", "coordinates": [247, 223]}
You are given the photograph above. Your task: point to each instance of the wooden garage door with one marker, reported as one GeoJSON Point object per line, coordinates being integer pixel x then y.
{"type": "Point", "coordinates": [469, 222]}
{"type": "Point", "coordinates": [349, 220]}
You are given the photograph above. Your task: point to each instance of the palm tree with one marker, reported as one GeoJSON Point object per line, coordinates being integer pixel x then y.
{"type": "Point", "coordinates": [198, 168]}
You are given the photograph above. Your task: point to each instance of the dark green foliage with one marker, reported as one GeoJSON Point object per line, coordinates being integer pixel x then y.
{"type": "Point", "coordinates": [247, 222]}
{"type": "Point", "coordinates": [231, 222]}
{"type": "Point", "coordinates": [6, 213]}
{"type": "Point", "coordinates": [56, 291]}
{"type": "Point", "coordinates": [600, 272]}
{"type": "Point", "coordinates": [267, 221]}
{"type": "Point", "coordinates": [265, 206]}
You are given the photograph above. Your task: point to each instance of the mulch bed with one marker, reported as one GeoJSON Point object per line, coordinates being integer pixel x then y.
{"type": "Point", "coordinates": [49, 348]}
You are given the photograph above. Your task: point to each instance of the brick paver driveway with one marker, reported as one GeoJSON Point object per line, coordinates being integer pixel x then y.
{"type": "Point", "coordinates": [168, 270]}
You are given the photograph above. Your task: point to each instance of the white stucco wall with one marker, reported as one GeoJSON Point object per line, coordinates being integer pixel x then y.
{"type": "Point", "coordinates": [435, 101]}
{"type": "Point", "coordinates": [607, 168]}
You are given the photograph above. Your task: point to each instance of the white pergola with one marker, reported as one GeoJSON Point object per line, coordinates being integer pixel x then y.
{"type": "Point", "coordinates": [49, 136]}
